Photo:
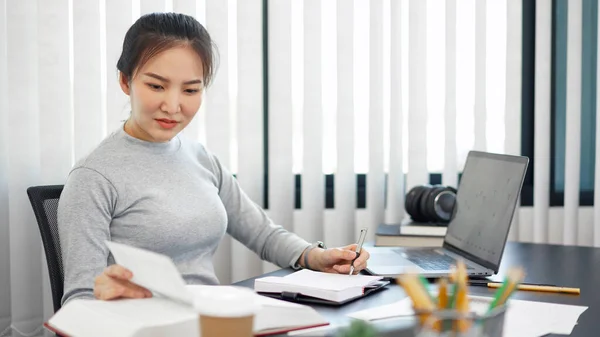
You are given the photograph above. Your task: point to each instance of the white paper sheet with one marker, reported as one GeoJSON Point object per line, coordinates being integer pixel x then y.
{"type": "Point", "coordinates": [523, 318]}
{"type": "Point", "coordinates": [401, 308]}
{"type": "Point", "coordinates": [152, 271]}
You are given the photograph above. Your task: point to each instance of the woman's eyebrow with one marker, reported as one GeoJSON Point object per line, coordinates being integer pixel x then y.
{"type": "Point", "coordinates": [166, 80]}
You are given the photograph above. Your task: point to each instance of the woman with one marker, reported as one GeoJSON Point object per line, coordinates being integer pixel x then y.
{"type": "Point", "coordinates": [147, 187]}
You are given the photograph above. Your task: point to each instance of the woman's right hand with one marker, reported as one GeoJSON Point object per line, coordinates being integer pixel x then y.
{"type": "Point", "coordinates": [114, 283]}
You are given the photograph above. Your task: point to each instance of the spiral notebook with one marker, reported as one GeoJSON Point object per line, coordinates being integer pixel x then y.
{"type": "Point", "coordinates": [321, 288]}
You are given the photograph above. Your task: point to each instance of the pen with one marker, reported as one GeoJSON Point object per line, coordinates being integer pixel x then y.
{"type": "Point", "coordinates": [361, 240]}
{"type": "Point", "coordinates": [532, 287]}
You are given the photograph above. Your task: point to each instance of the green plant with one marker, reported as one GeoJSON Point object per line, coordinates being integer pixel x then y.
{"type": "Point", "coordinates": [358, 328]}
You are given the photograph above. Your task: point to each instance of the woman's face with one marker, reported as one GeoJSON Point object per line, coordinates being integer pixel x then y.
{"type": "Point", "coordinates": [165, 94]}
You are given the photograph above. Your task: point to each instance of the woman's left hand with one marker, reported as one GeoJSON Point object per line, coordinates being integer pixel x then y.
{"type": "Point", "coordinates": [338, 260]}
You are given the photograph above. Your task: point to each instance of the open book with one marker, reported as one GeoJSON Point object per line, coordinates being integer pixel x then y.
{"type": "Point", "coordinates": [317, 287]}
{"type": "Point", "coordinates": [173, 309]}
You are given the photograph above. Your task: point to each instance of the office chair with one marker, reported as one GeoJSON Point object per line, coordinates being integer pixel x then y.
{"type": "Point", "coordinates": [44, 200]}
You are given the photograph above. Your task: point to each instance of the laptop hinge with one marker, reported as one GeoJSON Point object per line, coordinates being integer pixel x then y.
{"type": "Point", "coordinates": [471, 257]}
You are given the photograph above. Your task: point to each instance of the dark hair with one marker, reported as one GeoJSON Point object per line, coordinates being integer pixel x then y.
{"type": "Point", "coordinates": [157, 32]}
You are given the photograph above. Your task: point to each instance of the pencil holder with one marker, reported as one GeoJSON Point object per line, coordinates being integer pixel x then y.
{"type": "Point", "coordinates": [446, 323]}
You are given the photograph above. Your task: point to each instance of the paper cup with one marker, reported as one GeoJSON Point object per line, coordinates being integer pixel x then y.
{"type": "Point", "coordinates": [226, 311]}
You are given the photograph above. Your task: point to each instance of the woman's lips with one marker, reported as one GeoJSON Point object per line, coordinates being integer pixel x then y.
{"type": "Point", "coordinates": [166, 123]}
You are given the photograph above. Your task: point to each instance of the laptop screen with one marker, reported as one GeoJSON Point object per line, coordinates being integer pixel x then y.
{"type": "Point", "coordinates": [487, 195]}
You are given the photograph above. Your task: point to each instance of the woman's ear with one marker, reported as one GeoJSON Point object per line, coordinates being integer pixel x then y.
{"type": "Point", "coordinates": [124, 83]}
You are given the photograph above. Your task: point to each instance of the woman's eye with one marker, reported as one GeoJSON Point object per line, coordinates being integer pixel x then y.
{"type": "Point", "coordinates": [154, 86]}
{"type": "Point", "coordinates": [191, 91]}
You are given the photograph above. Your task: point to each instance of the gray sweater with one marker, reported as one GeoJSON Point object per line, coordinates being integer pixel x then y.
{"type": "Point", "coordinates": [173, 198]}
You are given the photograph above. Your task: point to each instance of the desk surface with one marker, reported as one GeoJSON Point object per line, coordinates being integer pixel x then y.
{"type": "Point", "coordinates": [568, 266]}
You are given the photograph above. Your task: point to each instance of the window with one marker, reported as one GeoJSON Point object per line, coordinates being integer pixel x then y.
{"type": "Point", "coordinates": [436, 53]}
{"type": "Point", "coordinates": [558, 101]}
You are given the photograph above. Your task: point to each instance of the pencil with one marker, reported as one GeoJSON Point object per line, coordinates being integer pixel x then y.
{"type": "Point", "coordinates": [501, 289]}
{"type": "Point", "coordinates": [418, 294]}
{"type": "Point", "coordinates": [426, 287]}
{"type": "Point", "coordinates": [515, 277]}
{"type": "Point", "coordinates": [484, 283]}
{"type": "Point", "coordinates": [529, 287]}
{"type": "Point", "coordinates": [442, 302]}
{"type": "Point", "coordinates": [462, 302]}
{"type": "Point", "coordinates": [443, 294]}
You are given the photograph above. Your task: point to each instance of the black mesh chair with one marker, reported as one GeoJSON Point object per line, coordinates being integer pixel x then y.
{"type": "Point", "coordinates": [44, 200]}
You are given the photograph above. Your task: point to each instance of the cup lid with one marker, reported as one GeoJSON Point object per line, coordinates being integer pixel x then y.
{"type": "Point", "coordinates": [225, 301]}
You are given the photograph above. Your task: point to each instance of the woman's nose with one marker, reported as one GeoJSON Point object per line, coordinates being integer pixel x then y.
{"type": "Point", "coordinates": [171, 103]}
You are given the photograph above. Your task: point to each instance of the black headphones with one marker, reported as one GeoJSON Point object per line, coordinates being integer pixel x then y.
{"type": "Point", "coordinates": [430, 203]}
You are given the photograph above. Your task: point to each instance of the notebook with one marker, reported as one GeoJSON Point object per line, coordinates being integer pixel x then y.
{"type": "Point", "coordinates": [316, 287]}
{"type": "Point", "coordinates": [172, 311]}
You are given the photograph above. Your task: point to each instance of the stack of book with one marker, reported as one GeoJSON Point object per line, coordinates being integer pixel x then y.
{"type": "Point", "coordinates": [410, 234]}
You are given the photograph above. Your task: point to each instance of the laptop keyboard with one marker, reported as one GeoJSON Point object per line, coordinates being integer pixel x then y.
{"type": "Point", "coordinates": [430, 260]}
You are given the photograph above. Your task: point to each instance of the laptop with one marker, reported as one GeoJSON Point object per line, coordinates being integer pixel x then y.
{"type": "Point", "coordinates": [477, 232]}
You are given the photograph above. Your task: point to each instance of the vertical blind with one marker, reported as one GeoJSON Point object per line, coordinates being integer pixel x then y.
{"type": "Point", "coordinates": [342, 225]}
{"type": "Point", "coordinates": [382, 88]}
{"type": "Point", "coordinates": [573, 123]}
{"type": "Point", "coordinates": [541, 174]}
{"type": "Point", "coordinates": [513, 99]}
